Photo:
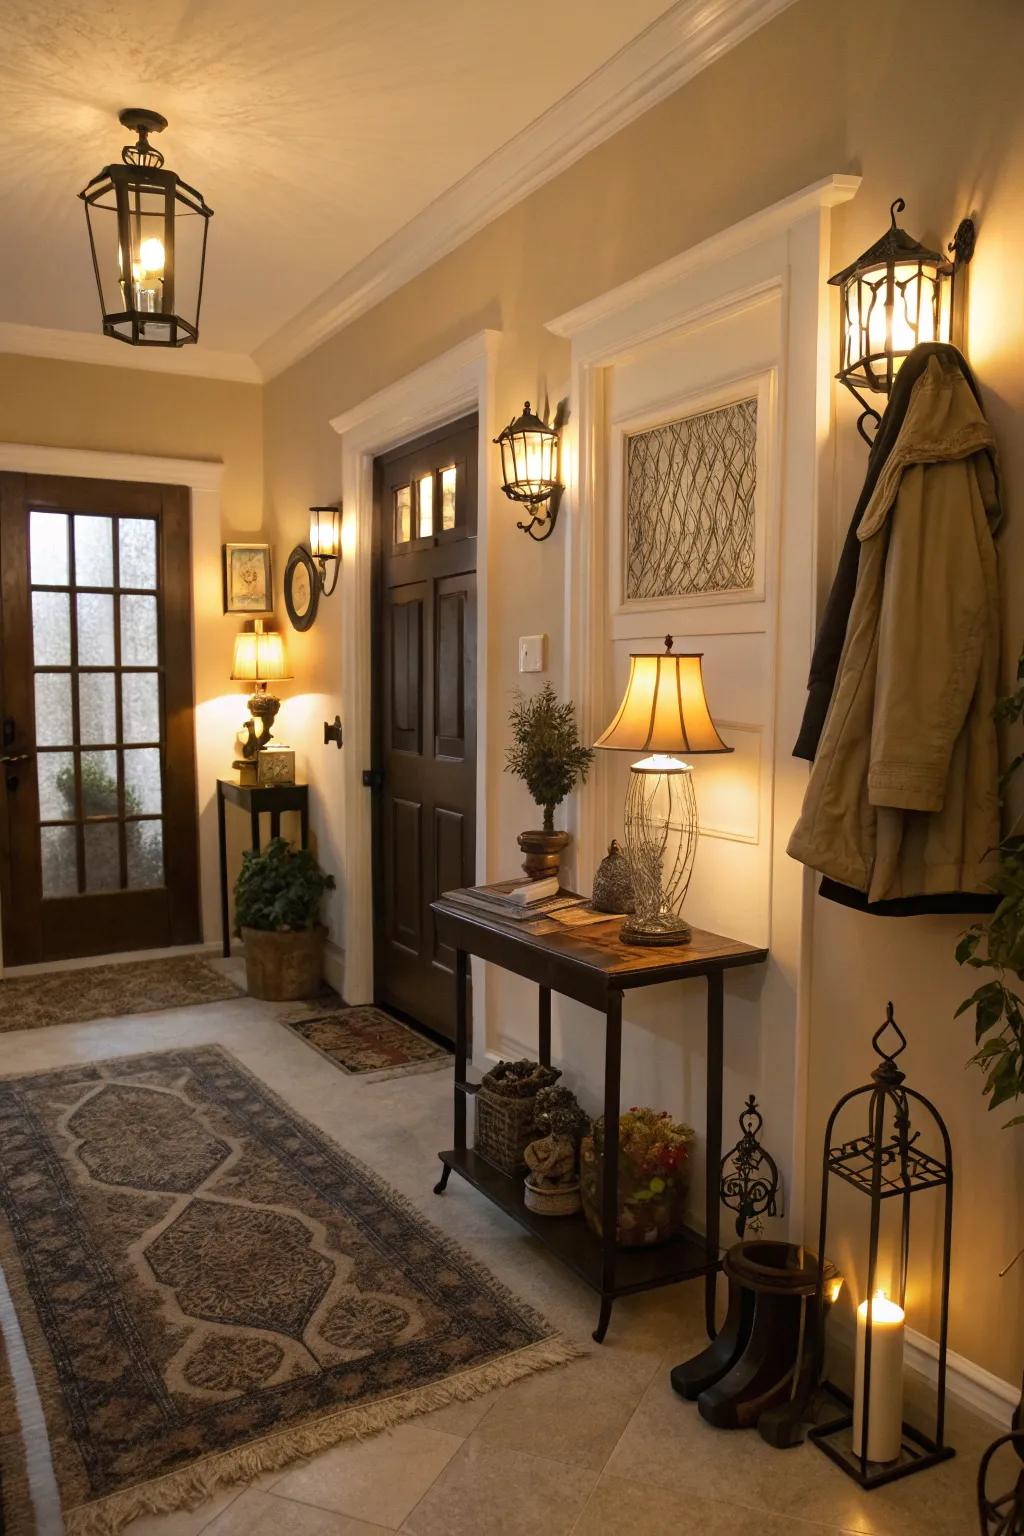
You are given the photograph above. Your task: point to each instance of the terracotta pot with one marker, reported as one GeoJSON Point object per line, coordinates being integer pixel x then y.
{"type": "Point", "coordinates": [282, 967]}
{"type": "Point", "coordinates": [543, 852]}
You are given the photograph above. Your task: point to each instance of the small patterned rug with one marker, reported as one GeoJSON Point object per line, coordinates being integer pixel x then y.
{"type": "Point", "coordinates": [366, 1042]}
{"type": "Point", "coordinates": [209, 1288]}
{"type": "Point", "coordinates": [108, 991]}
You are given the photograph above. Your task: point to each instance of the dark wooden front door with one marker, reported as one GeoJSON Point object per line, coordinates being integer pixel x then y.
{"type": "Point", "coordinates": [425, 713]}
{"type": "Point", "coordinates": [98, 827]}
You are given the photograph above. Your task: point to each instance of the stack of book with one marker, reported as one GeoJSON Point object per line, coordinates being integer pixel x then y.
{"type": "Point", "coordinates": [517, 900]}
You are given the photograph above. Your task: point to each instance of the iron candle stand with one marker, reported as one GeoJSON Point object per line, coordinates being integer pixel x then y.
{"type": "Point", "coordinates": [887, 1163]}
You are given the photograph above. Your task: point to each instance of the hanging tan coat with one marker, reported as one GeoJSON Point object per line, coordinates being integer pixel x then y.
{"type": "Point", "coordinates": [903, 795]}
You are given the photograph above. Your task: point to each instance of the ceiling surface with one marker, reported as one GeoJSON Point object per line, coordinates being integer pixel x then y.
{"type": "Point", "coordinates": [315, 129]}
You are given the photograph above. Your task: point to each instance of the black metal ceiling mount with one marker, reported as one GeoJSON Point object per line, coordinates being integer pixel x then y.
{"type": "Point", "coordinates": [147, 234]}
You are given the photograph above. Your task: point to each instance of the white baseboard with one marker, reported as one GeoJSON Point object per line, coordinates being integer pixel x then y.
{"type": "Point", "coordinates": [969, 1384]}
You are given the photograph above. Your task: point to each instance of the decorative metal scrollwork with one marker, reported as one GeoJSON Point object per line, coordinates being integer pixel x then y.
{"type": "Point", "coordinates": [750, 1176]}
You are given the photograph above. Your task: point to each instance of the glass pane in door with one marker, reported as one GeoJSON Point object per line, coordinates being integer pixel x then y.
{"type": "Point", "coordinates": [99, 738]}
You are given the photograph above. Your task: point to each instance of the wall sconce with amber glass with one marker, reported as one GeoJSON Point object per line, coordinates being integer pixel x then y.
{"type": "Point", "coordinates": [325, 544]}
{"type": "Point", "coordinates": [259, 659]}
{"type": "Point", "coordinates": [896, 295]}
{"type": "Point", "coordinates": [529, 470]}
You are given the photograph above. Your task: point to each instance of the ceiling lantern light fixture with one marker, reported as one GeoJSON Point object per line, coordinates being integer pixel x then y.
{"type": "Point", "coordinates": [147, 232]}
{"type": "Point", "coordinates": [529, 470]}
{"type": "Point", "coordinates": [325, 544]}
{"type": "Point", "coordinates": [897, 294]}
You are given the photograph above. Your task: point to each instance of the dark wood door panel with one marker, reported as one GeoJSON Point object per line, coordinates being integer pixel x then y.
{"type": "Point", "coordinates": [424, 712]}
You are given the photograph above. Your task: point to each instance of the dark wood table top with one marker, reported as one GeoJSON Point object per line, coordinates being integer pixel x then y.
{"type": "Point", "coordinates": [585, 958]}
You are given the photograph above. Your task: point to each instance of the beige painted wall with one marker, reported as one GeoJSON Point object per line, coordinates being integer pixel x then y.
{"type": "Point", "coordinates": [125, 410]}
{"type": "Point", "coordinates": [880, 89]}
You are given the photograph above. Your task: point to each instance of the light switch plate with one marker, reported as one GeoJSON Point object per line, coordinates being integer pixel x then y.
{"type": "Point", "coordinates": [531, 653]}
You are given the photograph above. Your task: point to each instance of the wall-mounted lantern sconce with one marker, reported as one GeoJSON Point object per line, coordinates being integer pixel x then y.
{"type": "Point", "coordinates": [529, 470]}
{"type": "Point", "coordinates": [897, 294]}
{"type": "Point", "coordinates": [147, 231]}
{"type": "Point", "coordinates": [325, 544]}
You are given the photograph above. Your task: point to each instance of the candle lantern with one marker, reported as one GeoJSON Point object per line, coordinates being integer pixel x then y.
{"type": "Point", "coordinates": [888, 1162]}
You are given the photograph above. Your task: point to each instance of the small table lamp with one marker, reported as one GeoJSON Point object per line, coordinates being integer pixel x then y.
{"type": "Point", "coordinates": [259, 659]}
{"type": "Point", "coordinates": [663, 711]}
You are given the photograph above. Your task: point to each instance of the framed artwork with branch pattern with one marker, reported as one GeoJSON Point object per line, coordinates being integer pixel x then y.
{"type": "Point", "coordinates": [248, 579]}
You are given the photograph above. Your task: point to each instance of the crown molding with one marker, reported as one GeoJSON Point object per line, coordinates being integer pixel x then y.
{"type": "Point", "coordinates": [690, 35]}
{"type": "Point", "coordinates": [88, 347]}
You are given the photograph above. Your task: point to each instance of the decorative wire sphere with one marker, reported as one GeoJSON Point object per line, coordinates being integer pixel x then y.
{"type": "Point", "coordinates": [660, 843]}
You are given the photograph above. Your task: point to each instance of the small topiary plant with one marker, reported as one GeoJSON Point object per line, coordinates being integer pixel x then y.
{"type": "Point", "coordinates": [546, 751]}
{"type": "Point", "coordinates": [280, 889]}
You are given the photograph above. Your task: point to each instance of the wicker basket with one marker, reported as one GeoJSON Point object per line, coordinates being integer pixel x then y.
{"type": "Point", "coordinates": [504, 1129]}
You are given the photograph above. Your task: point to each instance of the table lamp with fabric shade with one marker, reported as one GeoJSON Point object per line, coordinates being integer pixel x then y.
{"type": "Point", "coordinates": [259, 659]}
{"type": "Point", "coordinates": [663, 712]}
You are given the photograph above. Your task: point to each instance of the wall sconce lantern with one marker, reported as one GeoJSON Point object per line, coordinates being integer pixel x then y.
{"type": "Point", "coordinates": [325, 544]}
{"type": "Point", "coordinates": [529, 470]}
{"type": "Point", "coordinates": [897, 294]}
{"type": "Point", "coordinates": [258, 659]}
{"type": "Point", "coordinates": [889, 1161]}
{"type": "Point", "coordinates": [147, 233]}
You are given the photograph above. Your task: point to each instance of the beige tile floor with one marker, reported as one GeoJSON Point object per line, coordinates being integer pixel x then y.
{"type": "Point", "coordinates": [600, 1448]}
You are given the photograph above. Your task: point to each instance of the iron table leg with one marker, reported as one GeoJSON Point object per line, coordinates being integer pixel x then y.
{"type": "Point", "coordinates": [610, 1159]}
{"type": "Point", "coordinates": [222, 846]}
{"type": "Point", "coordinates": [713, 1143]}
{"type": "Point", "coordinates": [544, 1027]}
{"type": "Point", "coordinates": [461, 1061]}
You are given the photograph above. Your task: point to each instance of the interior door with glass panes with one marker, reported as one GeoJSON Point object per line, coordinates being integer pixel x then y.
{"type": "Point", "coordinates": [98, 824]}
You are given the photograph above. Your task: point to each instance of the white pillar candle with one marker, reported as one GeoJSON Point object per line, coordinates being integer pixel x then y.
{"type": "Point", "coordinates": [885, 1410]}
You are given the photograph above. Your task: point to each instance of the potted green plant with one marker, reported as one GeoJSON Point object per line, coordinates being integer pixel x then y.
{"type": "Point", "coordinates": [277, 909]}
{"type": "Point", "coordinates": [547, 754]}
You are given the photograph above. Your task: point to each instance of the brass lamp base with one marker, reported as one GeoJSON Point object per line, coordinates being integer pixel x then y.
{"type": "Point", "coordinates": [665, 928]}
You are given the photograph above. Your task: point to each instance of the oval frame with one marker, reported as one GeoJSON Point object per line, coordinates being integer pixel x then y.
{"type": "Point", "coordinates": [301, 556]}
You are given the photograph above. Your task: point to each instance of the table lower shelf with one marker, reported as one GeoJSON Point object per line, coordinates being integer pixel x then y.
{"type": "Point", "coordinates": [571, 1240]}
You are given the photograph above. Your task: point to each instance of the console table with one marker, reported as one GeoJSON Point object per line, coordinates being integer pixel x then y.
{"type": "Point", "coordinates": [255, 798]}
{"type": "Point", "coordinates": [592, 965]}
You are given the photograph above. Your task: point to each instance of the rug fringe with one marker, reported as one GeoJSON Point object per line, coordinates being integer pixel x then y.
{"type": "Point", "coordinates": [196, 1483]}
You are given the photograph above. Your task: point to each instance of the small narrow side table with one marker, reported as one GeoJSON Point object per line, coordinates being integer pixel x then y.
{"type": "Point", "coordinates": [255, 799]}
{"type": "Point", "coordinates": [592, 965]}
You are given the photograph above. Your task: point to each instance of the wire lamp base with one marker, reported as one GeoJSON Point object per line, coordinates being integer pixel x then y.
{"type": "Point", "coordinates": [660, 843]}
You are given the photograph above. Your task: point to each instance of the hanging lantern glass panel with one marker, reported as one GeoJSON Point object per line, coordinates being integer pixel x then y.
{"type": "Point", "coordinates": [147, 234]}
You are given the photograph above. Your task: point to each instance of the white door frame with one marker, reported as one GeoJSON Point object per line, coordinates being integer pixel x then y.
{"type": "Point", "coordinates": [450, 386]}
{"type": "Point", "coordinates": [203, 479]}
{"type": "Point", "coordinates": [784, 247]}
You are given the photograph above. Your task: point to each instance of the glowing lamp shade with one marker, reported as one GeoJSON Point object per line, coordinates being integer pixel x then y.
{"type": "Point", "coordinates": [325, 532]}
{"type": "Point", "coordinates": [663, 711]}
{"type": "Point", "coordinates": [664, 708]}
{"type": "Point", "coordinates": [259, 657]}
{"type": "Point", "coordinates": [147, 233]}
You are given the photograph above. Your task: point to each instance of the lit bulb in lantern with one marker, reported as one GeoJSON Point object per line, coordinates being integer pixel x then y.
{"type": "Point", "coordinates": [147, 271]}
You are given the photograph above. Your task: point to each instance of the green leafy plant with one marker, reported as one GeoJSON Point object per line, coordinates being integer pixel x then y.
{"type": "Point", "coordinates": [280, 889]}
{"type": "Point", "coordinates": [999, 946]}
{"type": "Point", "coordinates": [546, 751]}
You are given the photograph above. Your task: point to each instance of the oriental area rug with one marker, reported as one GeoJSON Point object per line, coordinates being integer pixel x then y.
{"type": "Point", "coordinates": [366, 1042]}
{"type": "Point", "coordinates": [209, 1288]}
{"type": "Point", "coordinates": [110, 991]}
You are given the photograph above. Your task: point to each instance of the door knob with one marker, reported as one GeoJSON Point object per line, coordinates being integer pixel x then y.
{"type": "Point", "coordinates": [16, 757]}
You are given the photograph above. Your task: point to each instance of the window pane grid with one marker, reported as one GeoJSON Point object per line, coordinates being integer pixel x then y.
{"type": "Point", "coordinates": [98, 831]}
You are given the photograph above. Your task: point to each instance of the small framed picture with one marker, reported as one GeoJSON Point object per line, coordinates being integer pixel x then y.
{"type": "Point", "coordinates": [248, 580]}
